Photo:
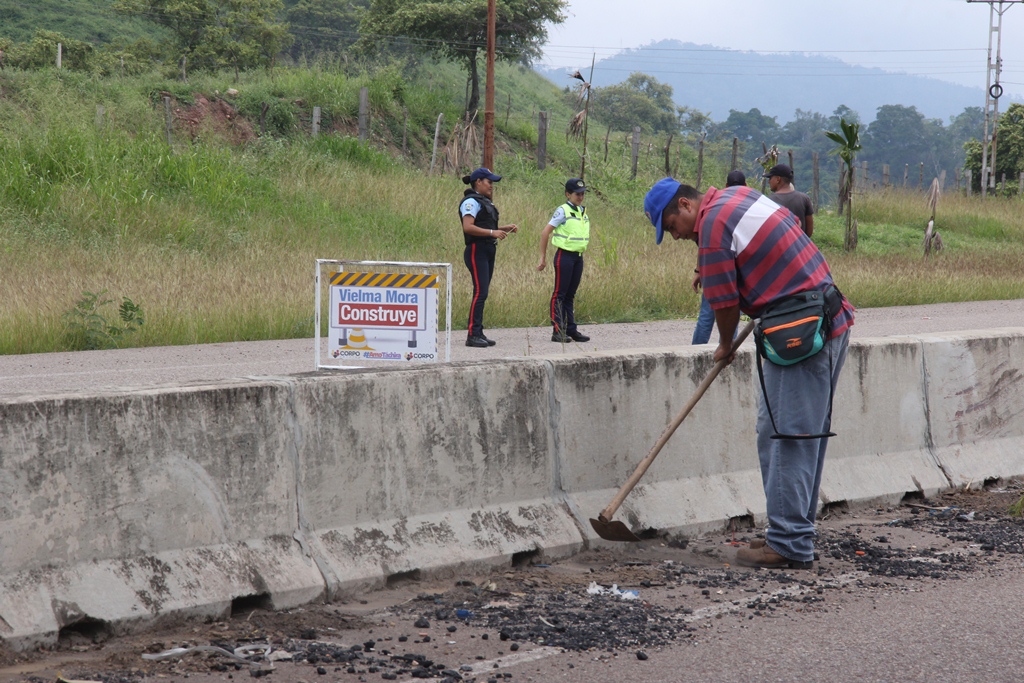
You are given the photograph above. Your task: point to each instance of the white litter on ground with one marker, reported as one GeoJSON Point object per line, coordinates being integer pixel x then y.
{"type": "Point", "coordinates": [597, 589]}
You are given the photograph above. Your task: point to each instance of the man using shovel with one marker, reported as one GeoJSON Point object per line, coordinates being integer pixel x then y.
{"type": "Point", "coordinates": [755, 259]}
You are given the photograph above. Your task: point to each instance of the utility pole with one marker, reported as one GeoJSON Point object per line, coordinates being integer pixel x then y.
{"type": "Point", "coordinates": [489, 89]}
{"type": "Point", "coordinates": [993, 90]}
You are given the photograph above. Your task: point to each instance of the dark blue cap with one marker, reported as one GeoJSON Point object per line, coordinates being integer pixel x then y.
{"type": "Point", "coordinates": [483, 173]}
{"type": "Point", "coordinates": [655, 202]}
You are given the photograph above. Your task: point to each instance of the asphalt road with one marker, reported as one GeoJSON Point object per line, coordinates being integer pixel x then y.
{"type": "Point", "coordinates": [957, 622]}
{"type": "Point", "coordinates": [60, 373]}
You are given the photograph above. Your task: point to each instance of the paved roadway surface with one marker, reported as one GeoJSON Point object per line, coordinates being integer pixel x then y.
{"type": "Point", "coordinates": [839, 622]}
{"type": "Point", "coordinates": [50, 373]}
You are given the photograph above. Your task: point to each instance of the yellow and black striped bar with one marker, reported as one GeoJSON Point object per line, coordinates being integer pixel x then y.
{"type": "Point", "coordinates": [395, 280]}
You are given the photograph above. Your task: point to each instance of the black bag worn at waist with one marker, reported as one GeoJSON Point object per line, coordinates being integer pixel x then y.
{"type": "Point", "coordinates": [794, 328]}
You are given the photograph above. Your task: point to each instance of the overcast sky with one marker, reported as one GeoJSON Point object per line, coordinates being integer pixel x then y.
{"type": "Point", "coordinates": [944, 39]}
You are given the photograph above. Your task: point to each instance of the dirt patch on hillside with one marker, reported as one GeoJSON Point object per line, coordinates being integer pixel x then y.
{"type": "Point", "coordinates": [216, 117]}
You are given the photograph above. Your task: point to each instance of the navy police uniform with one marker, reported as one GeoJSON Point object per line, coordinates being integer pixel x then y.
{"type": "Point", "coordinates": [479, 256]}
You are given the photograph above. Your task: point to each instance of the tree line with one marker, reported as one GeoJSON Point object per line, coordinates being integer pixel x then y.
{"type": "Point", "coordinates": [899, 136]}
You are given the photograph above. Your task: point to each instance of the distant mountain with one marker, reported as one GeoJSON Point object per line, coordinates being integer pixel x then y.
{"type": "Point", "coordinates": [716, 80]}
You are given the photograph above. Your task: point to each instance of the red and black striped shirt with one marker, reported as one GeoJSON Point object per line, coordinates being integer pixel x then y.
{"type": "Point", "coordinates": [753, 252]}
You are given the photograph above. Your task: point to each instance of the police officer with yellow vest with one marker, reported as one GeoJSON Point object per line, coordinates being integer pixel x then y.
{"type": "Point", "coordinates": [569, 231]}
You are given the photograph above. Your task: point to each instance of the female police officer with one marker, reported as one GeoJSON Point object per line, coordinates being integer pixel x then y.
{"type": "Point", "coordinates": [481, 232]}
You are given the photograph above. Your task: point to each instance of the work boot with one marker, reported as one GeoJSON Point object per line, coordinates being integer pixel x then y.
{"type": "Point", "coordinates": [490, 342]}
{"type": "Point", "coordinates": [760, 543]}
{"type": "Point", "coordinates": [477, 342]}
{"type": "Point", "coordinates": [765, 557]}
{"type": "Point", "coordinates": [579, 337]}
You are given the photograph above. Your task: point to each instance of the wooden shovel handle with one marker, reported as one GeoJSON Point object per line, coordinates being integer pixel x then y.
{"type": "Point", "coordinates": [607, 514]}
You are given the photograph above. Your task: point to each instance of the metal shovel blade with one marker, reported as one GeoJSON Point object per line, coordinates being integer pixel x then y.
{"type": "Point", "coordinates": [614, 530]}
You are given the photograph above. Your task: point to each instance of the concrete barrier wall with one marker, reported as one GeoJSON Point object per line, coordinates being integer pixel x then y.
{"type": "Point", "coordinates": [121, 509]}
{"type": "Point", "coordinates": [975, 395]}
{"type": "Point", "coordinates": [613, 408]}
{"type": "Point", "coordinates": [430, 470]}
{"type": "Point", "coordinates": [883, 448]}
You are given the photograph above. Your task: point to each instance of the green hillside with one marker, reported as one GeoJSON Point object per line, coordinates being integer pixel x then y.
{"type": "Point", "coordinates": [92, 21]}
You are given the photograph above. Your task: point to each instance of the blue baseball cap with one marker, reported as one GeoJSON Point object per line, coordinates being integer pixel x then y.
{"type": "Point", "coordinates": [659, 197]}
{"type": "Point", "coordinates": [483, 173]}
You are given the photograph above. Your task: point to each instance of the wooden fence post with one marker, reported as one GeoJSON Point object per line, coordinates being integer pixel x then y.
{"type": "Point", "coordinates": [864, 175]}
{"type": "Point", "coordinates": [364, 107]}
{"type": "Point", "coordinates": [735, 153]}
{"type": "Point", "coordinates": [920, 178]}
{"type": "Point", "coordinates": [956, 176]}
{"type": "Point", "coordinates": [60, 55]}
{"type": "Point", "coordinates": [405, 130]}
{"type": "Point", "coordinates": [791, 162]}
{"type": "Point", "coordinates": [816, 178]}
{"type": "Point", "coordinates": [606, 136]}
{"type": "Point", "coordinates": [942, 178]}
{"type": "Point", "coordinates": [885, 175]}
{"type": "Point", "coordinates": [969, 181]}
{"type": "Point", "coordinates": [906, 173]}
{"type": "Point", "coordinates": [437, 134]}
{"type": "Point", "coordinates": [842, 182]}
{"type": "Point", "coordinates": [542, 140]}
{"type": "Point", "coordinates": [668, 155]}
{"type": "Point", "coordinates": [1020, 185]}
{"type": "Point", "coordinates": [264, 107]}
{"type": "Point", "coordinates": [167, 118]}
{"type": "Point", "coordinates": [316, 121]}
{"type": "Point", "coordinates": [700, 162]}
{"type": "Point", "coordinates": [764, 180]}
{"type": "Point", "coordinates": [636, 150]}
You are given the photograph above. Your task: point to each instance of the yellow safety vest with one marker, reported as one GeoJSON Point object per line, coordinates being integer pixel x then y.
{"type": "Point", "coordinates": [574, 234]}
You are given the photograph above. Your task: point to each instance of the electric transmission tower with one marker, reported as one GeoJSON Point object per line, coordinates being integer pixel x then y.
{"type": "Point", "coordinates": [993, 91]}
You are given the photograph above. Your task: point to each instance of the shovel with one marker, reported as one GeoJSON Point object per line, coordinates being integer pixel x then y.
{"type": "Point", "coordinates": [617, 531]}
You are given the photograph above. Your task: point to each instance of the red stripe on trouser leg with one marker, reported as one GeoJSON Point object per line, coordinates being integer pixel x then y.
{"type": "Point", "coordinates": [476, 286]}
{"type": "Point", "coordinates": [554, 295]}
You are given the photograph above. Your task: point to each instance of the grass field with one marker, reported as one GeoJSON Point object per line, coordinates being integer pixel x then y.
{"type": "Point", "coordinates": [217, 241]}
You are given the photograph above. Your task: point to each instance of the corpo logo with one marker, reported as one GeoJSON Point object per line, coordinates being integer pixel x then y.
{"type": "Point", "coordinates": [341, 353]}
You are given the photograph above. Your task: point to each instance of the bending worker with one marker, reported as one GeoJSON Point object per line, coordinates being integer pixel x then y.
{"type": "Point", "coordinates": [569, 231]}
{"type": "Point", "coordinates": [481, 232]}
{"type": "Point", "coordinates": [744, 240]}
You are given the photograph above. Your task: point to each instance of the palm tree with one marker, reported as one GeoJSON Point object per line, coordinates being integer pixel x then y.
{"type": "Point", "coordinates": [849, 144]}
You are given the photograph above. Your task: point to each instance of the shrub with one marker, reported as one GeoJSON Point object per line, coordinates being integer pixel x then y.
{"type": "Point", "coordinates": [86, 327]}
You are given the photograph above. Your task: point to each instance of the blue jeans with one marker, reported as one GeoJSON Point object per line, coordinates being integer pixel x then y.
{"type": "Point", "coordinates": [705, 322]}
{"type": "Point", "coordinates": [791, 469]}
